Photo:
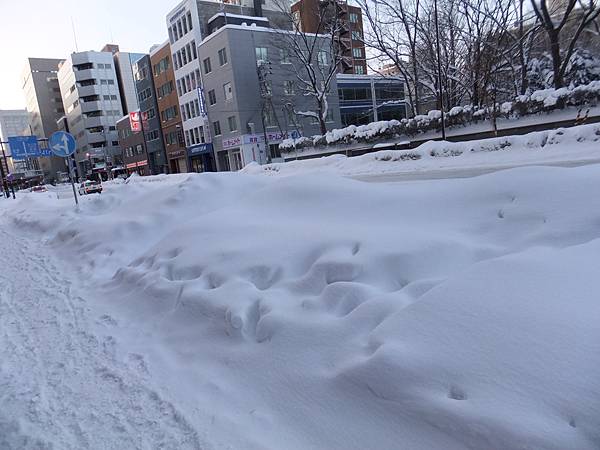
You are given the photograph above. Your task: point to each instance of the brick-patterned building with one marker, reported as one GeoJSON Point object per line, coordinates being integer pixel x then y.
{"type": "Point", "coordinates": [168, 108]}
{"type": "Point", "coordinates": [350, 36]}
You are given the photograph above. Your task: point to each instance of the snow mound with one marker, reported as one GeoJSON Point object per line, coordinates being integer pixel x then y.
{"type": "Point", "coordinates": [568, 144]}
{"type": "Point", "coordinates": [315, 311]}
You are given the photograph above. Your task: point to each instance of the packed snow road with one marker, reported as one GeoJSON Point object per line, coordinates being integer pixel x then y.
{"type": "Point", "coordinates": [61, 386]}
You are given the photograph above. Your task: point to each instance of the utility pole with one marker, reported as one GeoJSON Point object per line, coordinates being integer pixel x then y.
{"type": "Point", "coordinates": [439, 66]}
{"type": "Point", "coordinates": [3, 174]}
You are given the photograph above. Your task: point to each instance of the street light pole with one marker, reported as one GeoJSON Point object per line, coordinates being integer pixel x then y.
{"type": "Point", "coordinates": [439, 67]}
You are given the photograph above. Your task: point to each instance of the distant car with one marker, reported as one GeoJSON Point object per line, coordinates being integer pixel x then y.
{"type": "Point", "coordinates": [38, 189]}
{"type": "Point", "coordinates": [90, 187]}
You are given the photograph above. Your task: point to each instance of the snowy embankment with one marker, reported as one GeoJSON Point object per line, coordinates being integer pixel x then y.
{"type": "Point", "coordinates": [319, 312]}
{"type": "Point", "coordinates": [581, 143]}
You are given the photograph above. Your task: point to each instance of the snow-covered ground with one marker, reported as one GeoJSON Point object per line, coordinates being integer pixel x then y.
{"type": "Point", "coordinates": [305, 312]}
{"type": "Point", "coordinates": [563, 145]}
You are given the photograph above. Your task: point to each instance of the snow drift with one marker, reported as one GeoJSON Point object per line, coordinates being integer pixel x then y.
{"type": "Point", "coordinates": [578, 143]}
{"type": "Point", "coordinates": [315, 311]}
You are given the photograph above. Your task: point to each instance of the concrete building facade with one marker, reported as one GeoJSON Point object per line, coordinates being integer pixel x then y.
{"type": "Point", "coordinates": [144, 85]}
{"type": "Point", "coordinates": [168, 108]}
{"type": "Point", "coordinates": [188, 24]}
{"type": "Point", "coordinates": [238, 101]}
{"type": "Point", "coordinates": [44, 107]}
{"type": "Point", "coordinates": [90, 92]}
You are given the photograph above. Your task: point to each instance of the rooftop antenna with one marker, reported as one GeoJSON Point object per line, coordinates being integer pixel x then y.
{"type": "Point", "coordinates": [74, 34]}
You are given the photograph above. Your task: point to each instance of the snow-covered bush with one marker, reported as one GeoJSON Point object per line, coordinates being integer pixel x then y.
{"type": "Point", "coordinates": [543, 100]}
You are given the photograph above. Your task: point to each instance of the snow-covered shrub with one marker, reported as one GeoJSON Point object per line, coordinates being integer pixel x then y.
{"type": "Point", "coordinates": [543, 100]}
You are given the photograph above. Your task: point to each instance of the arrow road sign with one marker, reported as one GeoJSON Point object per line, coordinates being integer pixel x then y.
{"type": "Point", "coordinates": [62, 144]}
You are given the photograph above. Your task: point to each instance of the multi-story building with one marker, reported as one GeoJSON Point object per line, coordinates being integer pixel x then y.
{"type": "Point", "coordinates": [317, 16]}
{"type": "Point", "coordinates": [188, 25]}
{"type": "Point", "coordinates": [168, 108]}
{"type": "Point", "coordinates": [153, 142]}
{"type": "Point", "coordinates": [44, 107]}
{"type": "Point", "coordinates": [124, 67]}
{"type": "Point", "coordinates": [249, 79]}
{"type": "Point", "coordinates": [90, 93]}
{"type": "Point", "coordinates": [135, 157]}
{"type": "Point", "coordinates": [369, 98]}
{"type": "Point", "coordinates": [15, 122]}
{"type": "Point", "coordinates": [89, 83]}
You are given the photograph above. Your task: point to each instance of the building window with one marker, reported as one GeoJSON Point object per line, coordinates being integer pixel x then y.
{"type": "Point", "coordinates": [288, 87]}
{"type": "Point", "coordinates": [217, 128]}
{"type": "Point", "coordinates": [322, 58]}
{"type": "Point", "coordinates": [261, 55]}
{"type": "Point", "coordinates": [359, 70]}
{"type": "Point", "coordinates": [223, 56]}
{"type": "Point", "coordinates": [189, 19]}
{"type": "Point", "coordinates": [356, 36]}
{"type": "Point", "coordinates": [212, 98]}
{"type": "Point", "coordinates": [228, 91]}
{"type": "Point", "coordinates": [231, 120]}
{"type": "Point", "coordinates": [194, 51]}
{"type": "Point", "coordinates": [357, 52]}
{"type": "Point", "coordinates": [284, 54]}
{"type": "Point", "coordinates": [353, 18]}
{"type": "Point", "coordinates": [207, 67]}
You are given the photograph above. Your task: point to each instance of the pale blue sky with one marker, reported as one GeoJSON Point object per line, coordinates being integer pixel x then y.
{"type": "Point", "coordinates": [42, 28]}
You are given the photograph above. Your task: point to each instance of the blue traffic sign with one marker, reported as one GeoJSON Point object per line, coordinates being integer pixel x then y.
{"type": "Point", "coordinates": [62, 143]}
{"type": "Point", "coordinates": [23, 147]}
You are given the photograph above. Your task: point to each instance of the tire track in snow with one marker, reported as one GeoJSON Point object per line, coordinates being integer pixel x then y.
{"type": "Point", "coordinates": [61, 385]}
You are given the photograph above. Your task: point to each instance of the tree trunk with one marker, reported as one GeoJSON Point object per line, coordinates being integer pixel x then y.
{"type": "Point", "coordinates": [555, 53]}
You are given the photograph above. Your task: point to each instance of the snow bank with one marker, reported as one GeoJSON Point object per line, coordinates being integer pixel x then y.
{"type": "Point", "coordinates": [322, 312]}
{"type": "Point", "coordinates": [568, 144]}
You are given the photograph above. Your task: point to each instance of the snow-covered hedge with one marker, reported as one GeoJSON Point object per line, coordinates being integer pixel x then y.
{"type": "Point", "coordinates": [544, 100]}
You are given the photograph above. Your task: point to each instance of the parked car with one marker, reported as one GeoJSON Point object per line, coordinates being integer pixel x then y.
{"type": "Point", "coordinates": [38, 189]}
{"type": "Point", "coordinates": [90, 187]}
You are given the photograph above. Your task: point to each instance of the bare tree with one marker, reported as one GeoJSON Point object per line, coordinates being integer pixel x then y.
{"type": "Point", "coordinates": [554, 22]}
{"type": "Point", "coordinates": [393, 34]}
{"type": "Point", "coordinates": [314, 57]}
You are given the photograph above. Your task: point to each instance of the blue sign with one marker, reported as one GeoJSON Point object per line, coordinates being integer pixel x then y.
{"type": "Point", "coordinates": [62, 144]}
{"type": "Point", "coordinates": [23, 147]}
{"type": "Point", "coordinates": [200, 149]}
{"type": "Point", "coordinates": [46, 152]}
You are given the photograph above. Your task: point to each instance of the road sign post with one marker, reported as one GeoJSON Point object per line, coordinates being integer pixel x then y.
{"type": "Point", "coordinates": [63, 144]}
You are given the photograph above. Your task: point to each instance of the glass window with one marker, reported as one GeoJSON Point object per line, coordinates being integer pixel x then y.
{"type": "Point", "coordinates": [359, 70]}
{"type": "Point", "coordinates": [223, 56]}
{"type": "Point", "coordinates": [322, 58]}
{"type": "Point", "coordinates": [288, 87]}
{"type": "Point", "coordinates": [228, 91]}
{"type": "Point", "coordinates": [353, 18]}
{"type": "Point", "coordinates": [231, 120]}
{"type": "Point", "coordinates": [284, 54]}
{"type": "Point", "coordinates": [189, 18]}
{"type": "Point", "coordinates": [261, 55]}
{"type": "Point", "coordinates": [212, 98]}
{"type": "Point", "coordinates": [207, 67]}
{"type": "Point", "coordinates": [217, 128]}
{"type": "Point", "coordinates": [357, 52]}
{"type": "Point", "coordinates": [356, 35]}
